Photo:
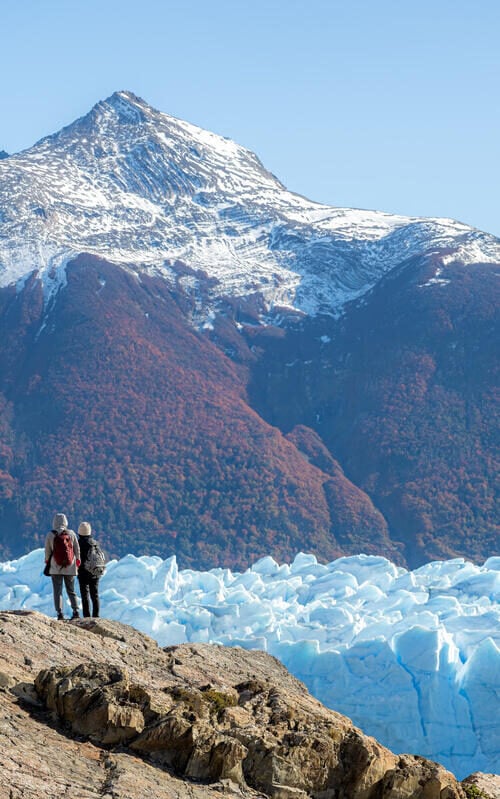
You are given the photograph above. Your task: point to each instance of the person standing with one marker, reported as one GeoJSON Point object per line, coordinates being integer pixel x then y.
{"type": "Point", "coordinates": [89, 572]}
{"type": "Point", "coordinates": [62, 551]}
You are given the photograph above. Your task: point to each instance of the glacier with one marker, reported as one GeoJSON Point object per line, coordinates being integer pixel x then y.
{"type": "Point", "coordinates": [413, 657]}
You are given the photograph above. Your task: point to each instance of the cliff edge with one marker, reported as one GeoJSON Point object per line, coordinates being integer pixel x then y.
{"type": "Point", "coordinates": [96, 710]}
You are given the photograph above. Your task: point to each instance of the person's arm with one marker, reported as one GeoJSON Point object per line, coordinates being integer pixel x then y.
{"type": "Point", "coordinates": [76, 549]}
{"type": "Point", "coordinates": [49, 543]}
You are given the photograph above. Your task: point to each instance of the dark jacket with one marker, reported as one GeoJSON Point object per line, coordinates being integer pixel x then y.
{"type": "Point", "coordinates": [85, 542]}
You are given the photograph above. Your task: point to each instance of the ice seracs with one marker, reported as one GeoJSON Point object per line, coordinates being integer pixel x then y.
{"type": "Point", "coordinates": [145, 190]}
{"type": "Point", "coordinates": [412, 657]}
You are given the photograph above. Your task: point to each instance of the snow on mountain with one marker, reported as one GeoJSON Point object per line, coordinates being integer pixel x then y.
{"type": "Point", "coordinates": [145, 190]}
{"type": "Point", "coordinates": [413, 657]}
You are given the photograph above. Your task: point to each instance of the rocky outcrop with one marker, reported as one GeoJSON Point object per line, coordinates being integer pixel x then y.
{"type": "Point", "coordinates": [96, 709]}
{"type": "Point", "coordinates": [482, 786]}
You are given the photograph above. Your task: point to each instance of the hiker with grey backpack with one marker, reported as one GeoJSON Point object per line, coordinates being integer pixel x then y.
{"type": "Point", "coordinates": [92, 567]}
{"type": "Point", "coordinates": [62, 558]}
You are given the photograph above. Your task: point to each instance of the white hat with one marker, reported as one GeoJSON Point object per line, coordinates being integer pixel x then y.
{"type": "Point", "coordinates": [85, 529]}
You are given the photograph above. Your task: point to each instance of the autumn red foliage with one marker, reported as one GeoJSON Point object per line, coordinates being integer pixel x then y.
{"type": "Point", "coordinates": [375, 432]}
{"type": "Point", "coordinates": [404, 394]}
{"type": "Point", "coordinates": [115, 410]}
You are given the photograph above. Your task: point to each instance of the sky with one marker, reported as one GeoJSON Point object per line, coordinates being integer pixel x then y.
{"type": "Point", "coordinates": [380, 104]}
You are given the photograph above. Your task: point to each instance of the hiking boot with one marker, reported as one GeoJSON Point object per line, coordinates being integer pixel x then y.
{"type": "Point", "coordinates": [75, 615]}
{"type": "Point", "coordinates": [60, 617]}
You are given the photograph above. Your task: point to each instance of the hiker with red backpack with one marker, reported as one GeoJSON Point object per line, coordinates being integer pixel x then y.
{"type": "Point", "coordinates": [62, 558]}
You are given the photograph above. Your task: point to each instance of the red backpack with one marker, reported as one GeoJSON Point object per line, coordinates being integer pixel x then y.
{"type": "Point", "coordinates": [62, 549]}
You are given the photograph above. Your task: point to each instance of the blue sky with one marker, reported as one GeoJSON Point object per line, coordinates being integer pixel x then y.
{"type": "Point", "coordinates": [382, 105]}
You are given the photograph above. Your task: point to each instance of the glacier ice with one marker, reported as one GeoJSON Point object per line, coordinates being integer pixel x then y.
{"type": "Point", "coordinates": [412, 657]}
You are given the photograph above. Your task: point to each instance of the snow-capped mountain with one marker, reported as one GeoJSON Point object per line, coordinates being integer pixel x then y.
{"type": "Point", "coordinates": [145, 190]}
{"type": "Point", "coordinates": [144, 395]}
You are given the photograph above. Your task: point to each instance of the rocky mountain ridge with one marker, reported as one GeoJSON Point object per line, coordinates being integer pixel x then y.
{"type": "Point", "coordinates": [123, 718]}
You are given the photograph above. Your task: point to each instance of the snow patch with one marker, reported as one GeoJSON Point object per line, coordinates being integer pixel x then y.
{"type": "Point", "coordinates": [437, 280]}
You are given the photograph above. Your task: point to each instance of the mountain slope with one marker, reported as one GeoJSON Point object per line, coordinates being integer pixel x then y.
{"type": "Point", "coordinates": [206, 363]}
{"type": "Point", "coordinates": [404, 392]}
{"type": "Point", "coordinates": [118, 411]}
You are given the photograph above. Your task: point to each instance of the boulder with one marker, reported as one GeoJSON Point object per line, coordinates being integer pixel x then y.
{"type": "Point", "coordinates": [93, 699]}
{"type": "Point", "coordinates": [482, 786]}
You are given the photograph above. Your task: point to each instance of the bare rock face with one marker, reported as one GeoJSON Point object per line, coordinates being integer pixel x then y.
{"type": "Point", "coordinates": [482, 786]}
{"type": "Point", "coordinates": [94, 708]}
{"type": "Point", "coordinates": [95, 700]}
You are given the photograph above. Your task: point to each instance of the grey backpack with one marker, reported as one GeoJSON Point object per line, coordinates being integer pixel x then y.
{"type": "Point", "coordinates": [95, 562]}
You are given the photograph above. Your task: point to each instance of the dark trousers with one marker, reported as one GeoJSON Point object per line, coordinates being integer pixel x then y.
{"type": "Point", "coordinates": [89, 589]}
{"type": "Point", "coordinates": [57, 586]}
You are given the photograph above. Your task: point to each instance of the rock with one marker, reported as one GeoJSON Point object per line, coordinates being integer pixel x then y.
{"type": "Point", "coordinates": [6, 681]}
{"type": "Point", "coordinates": [39, 760]}
{"type": "Point", "coordinates": [234, 720]}
{"type": "Point", "coordinates": [419, 778]}
{"type": "Point", "coordinates": [226, 762]}
{"type": "Point", "coordinates": [482, 786]}
{"type": "Point", "coordinates": [98, 701]}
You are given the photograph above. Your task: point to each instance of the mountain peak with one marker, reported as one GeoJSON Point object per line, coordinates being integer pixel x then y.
{"type": "Point", "coordinates": [139, 187]}
{"type": "Point", "coordinates": [128, 106]}
{"type": "Point", "coordinates": [126, 96]}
